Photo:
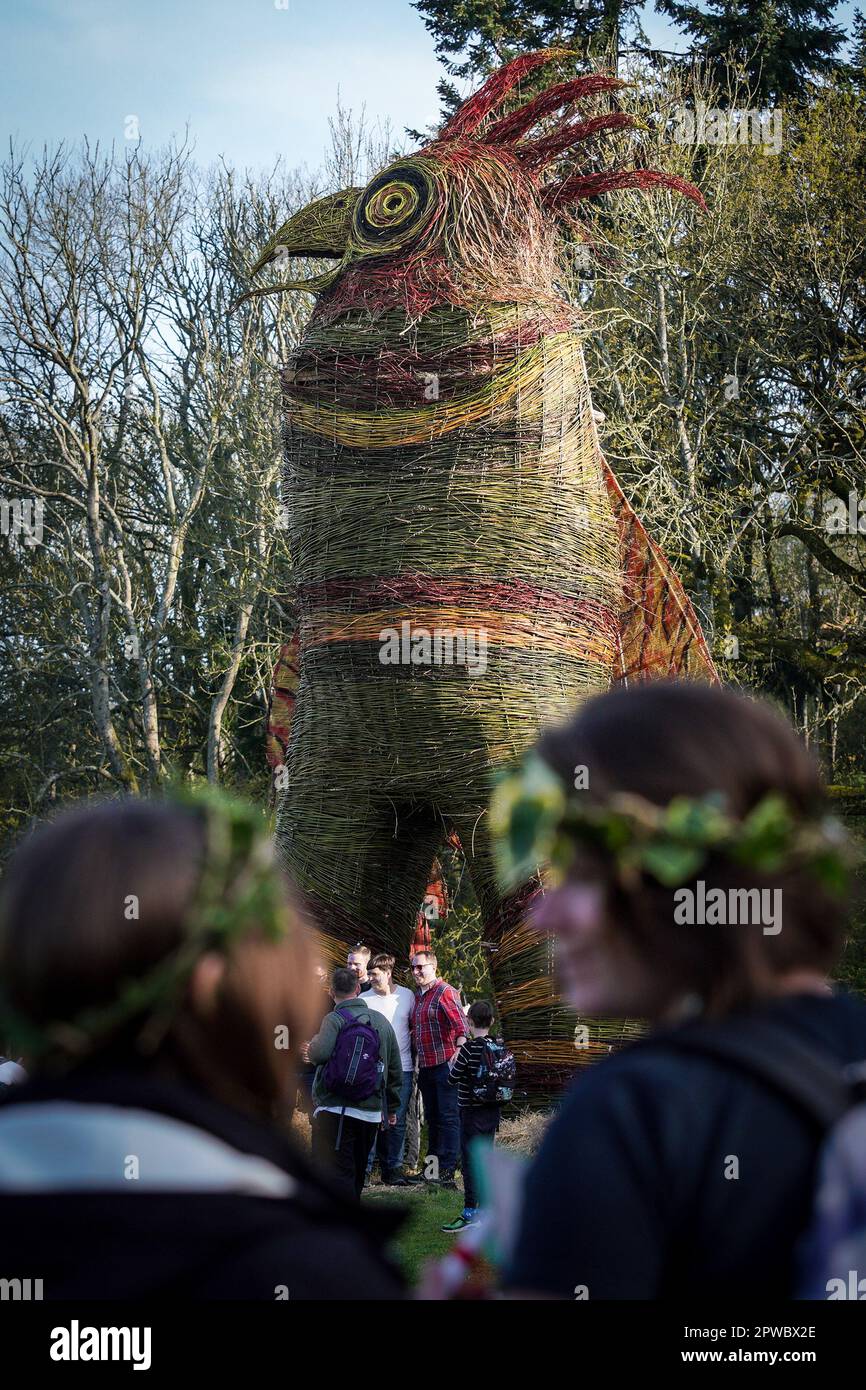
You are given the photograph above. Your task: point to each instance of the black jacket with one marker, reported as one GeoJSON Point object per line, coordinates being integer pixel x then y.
{"type": "Point", "coordinates": [133, 1243]}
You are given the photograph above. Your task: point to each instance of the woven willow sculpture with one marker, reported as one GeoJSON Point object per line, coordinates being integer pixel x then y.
{"type": "Point", "coordinates": [467, 568]}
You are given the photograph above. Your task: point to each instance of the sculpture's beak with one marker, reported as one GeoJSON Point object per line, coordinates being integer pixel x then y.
{"type": "Point", "coordinates": [319, 230]}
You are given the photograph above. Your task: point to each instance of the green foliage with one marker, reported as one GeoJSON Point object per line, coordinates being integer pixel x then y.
{"type": "Point", "coordinates": [780, 44]}
{"type": "Point", "coordinates": [463, 961]}
{"type": "Point", "coordinates": [477, 35]}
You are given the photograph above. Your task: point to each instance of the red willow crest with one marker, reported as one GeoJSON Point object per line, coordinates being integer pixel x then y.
{"type": "Point", "coordinates": [567, 133]}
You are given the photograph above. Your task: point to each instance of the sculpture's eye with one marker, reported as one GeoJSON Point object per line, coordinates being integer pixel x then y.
{"type": "Point", "coordinates": [394, 207]}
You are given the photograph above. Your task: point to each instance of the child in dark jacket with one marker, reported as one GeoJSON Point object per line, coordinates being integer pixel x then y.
{"type": "Point", "coordinates": [476, 1118]}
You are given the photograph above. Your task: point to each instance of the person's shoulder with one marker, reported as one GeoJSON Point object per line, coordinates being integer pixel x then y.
{"type": "Point", "coordinates": [407, 995]}
{"type": "Point", "coordinates": [642, 1076]}
{"type": "Point", "coordinates": [834, 1022]}
{"type": "Point", "coordinates": [662, 1067]}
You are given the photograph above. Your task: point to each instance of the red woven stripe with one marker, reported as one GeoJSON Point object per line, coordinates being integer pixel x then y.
{"type": "Point", "coordinates": [513, 596]}
{"type": "Point", "coordinates": [391, 378]}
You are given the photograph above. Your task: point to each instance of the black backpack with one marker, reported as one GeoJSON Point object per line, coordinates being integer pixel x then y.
{"type": "Point", "coordinates": [495, 1075]}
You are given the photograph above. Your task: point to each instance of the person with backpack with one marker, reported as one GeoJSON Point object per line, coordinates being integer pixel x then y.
{"type": "Point", "coordinates": [483, 1072]}
{"type": "Point", "coordinates": [358, 1082]}
{"type": "Point", "coordinates": [698, 883]}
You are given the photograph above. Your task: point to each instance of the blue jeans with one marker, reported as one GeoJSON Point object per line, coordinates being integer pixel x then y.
{"type": "Point", "coordinates": [391, 1142]}
{"type": "Point", "coordinates": [443, 1117]}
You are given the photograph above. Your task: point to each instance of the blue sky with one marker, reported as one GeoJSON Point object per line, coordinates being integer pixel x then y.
{"type": "Point", "coordinates": [254, 79]}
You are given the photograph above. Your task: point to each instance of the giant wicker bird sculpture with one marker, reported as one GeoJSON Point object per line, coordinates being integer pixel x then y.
{"type": "Point", "coordinates": [443, 478]}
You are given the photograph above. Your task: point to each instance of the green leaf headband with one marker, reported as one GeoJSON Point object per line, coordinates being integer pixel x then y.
{"type": "Point", "coordinates": [240, 891]}
{"type": "Point", "coordinates": [535, 822]}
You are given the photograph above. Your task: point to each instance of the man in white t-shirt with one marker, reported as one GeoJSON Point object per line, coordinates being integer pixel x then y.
{"type": "Point", "coordinates": [396, 1003]}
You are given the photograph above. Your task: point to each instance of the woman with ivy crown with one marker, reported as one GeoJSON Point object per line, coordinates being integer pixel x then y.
{"type": "Point", "coordinates": [685, 1164]}
{"type": "Point", "coordinates": [158, 982]}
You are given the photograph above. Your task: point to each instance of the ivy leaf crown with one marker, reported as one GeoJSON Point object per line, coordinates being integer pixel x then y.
{"type": "Point", "coordinates": [537, 822]}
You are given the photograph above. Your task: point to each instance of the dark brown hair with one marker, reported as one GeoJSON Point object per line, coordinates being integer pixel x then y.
{"type": "Point", "coordinates": [680, 738]}
{"type": "Point", "coordinates": [99, 897]}
{"type": "Point", "coordinates": [343, 980]}
{"type": "Point", "coordinates": [383, 962]}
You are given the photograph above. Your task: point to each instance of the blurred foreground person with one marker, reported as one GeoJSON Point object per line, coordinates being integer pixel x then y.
{"type": "Point", "coordinates": [699, 884]}
{"type": "Point", "coordinates": [156, 978]}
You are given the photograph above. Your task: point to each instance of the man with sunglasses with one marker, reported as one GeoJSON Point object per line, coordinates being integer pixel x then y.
{"type": "Point", "coordinates": [438, 1031]}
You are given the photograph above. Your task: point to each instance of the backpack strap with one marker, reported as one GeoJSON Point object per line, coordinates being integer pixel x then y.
{"type": "Point", "coordinates": [360, 1018]}
{"type": "Point", "coordinates": [818, 1084]}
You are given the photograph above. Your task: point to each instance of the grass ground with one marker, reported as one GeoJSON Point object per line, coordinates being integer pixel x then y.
{"type": "Point", "coordinates": [420, 1239]}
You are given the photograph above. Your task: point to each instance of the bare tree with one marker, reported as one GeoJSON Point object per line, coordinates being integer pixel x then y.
{"type": "Point", "coordinates": [142, 417]}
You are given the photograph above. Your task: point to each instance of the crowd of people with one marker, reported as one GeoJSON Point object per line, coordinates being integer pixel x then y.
{"type": "Point", "coordinates": [162, 991]}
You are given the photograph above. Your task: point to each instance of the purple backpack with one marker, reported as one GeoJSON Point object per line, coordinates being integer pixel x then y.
{"type": "Point", "coordinates": [352, 1071]}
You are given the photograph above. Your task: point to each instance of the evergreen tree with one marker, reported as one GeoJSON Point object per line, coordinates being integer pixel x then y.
{"type": "Point", "coordinates": [779, 43]}
{"type": "Point", "coordinates": [474, 36]}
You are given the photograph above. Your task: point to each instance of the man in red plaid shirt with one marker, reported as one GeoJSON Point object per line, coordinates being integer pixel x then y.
{"type": "Point", "coordinates": [438, 1030]}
